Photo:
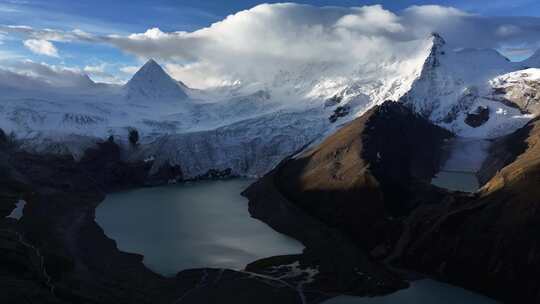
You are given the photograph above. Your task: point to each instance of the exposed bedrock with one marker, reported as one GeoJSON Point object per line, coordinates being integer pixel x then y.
{"type": "Point", "coordinates": [487, 242]}
{"type": "Point", "coordinates": [56, 253]}
{"type": "Point", "coordinates": [362, 177]}
{"type": "Point", "coordinates": [366, 183]}
{"type": "Point", "coordinates": [344, 197]}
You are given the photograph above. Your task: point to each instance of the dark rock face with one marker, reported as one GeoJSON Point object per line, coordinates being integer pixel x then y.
{"type": "Point", "coordinates": [342, 266]}
{"type": "Point", "coordinates": [334, 100]}
{"type": "Point", "coordinates": [339, 112]}
{"type": "Point", "coordinates": [165, 173]}
{"type": "Point", "coordinates": [464, 103]}
{"type": "Point", "coordinates": [477, 118]}
{"type": "Point", "coordinates": [339, 198]}
{"type": "Point", "coordinates": [105, 165]}
{"type": "Point", "coordinates": [503, 152]}
{"type": "Point", "coordinates": [214, 174]}
{"type": "Point", "coordinates": [364, 187]}
{"type": "Point", "coordinates": [56, 253]}
{"type": "Point", "coordinates": [364, 173]}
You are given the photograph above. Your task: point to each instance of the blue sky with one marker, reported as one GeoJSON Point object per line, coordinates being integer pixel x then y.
{"type": "Point", "coordinates": [169, 15]}
{"type": "Point", "coordinates": [104, 17]}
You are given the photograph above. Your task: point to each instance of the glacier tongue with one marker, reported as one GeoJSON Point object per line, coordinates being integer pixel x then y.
{"type": "Point", "coordinates": [251, 147]}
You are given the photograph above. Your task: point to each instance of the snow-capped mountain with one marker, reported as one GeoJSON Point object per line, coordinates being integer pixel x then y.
{"type": "Point", "coordinates": [250, 127]}
{"type": "Point", "coordinates": [456, 83]}
{"type": "Point", "coordinates": [152, 82]}
{"type": "Point", "coordinates": [520, 88]}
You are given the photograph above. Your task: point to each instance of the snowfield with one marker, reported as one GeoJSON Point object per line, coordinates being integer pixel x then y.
{"type": "Point", "coordinates": [250, 127]}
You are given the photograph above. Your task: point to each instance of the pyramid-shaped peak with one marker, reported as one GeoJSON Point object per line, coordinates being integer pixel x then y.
{"type": "Point", "coordinates": [152, 82]}
{"type": "Point", "coordinates": [151, 68]}
{"type": "Point", "coordinates": [151, 64]}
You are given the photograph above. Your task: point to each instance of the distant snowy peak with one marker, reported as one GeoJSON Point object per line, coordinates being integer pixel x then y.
{"type": "Point", "coordinates": [457, 83]}
{"type": "Point", "coordinates": [152, 82]}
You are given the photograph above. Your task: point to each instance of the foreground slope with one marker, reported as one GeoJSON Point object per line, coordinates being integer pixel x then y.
{"type": "Point", "coordinates": [357, 179]}
{"type": "Point", "coordinates": [375, 191]}
{"type": "Point", "coordinates": [488, 242]}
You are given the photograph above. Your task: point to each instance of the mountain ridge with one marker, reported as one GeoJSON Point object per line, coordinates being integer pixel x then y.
{"type": "Point", "coordinates": [175, 122]}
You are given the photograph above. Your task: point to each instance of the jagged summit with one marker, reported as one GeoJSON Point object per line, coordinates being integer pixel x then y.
{"type": "Point", "coordinates": [438, 40]}
{"type": "Point", "coordinates": [152, 82]}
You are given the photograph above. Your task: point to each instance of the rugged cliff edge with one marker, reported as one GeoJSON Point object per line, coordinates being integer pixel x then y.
{"type": "Point", "coordinates": [56, 253]}
{"type": "Point", "coordinates": [367, 183]}
{"type": "Point", "coordinates": [365, 175]}
{"type": "Point", "coordinates": [344, 197]}
{"type": "Point", "coordinates": [488, 242]}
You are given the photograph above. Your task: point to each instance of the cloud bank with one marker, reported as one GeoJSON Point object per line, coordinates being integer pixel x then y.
{"type": "Point", "coordinates": [260, 43]}
{"type": "Point", "coordinates": [28, 74]}
{"type": "Point", "coordinates": [253, 43]}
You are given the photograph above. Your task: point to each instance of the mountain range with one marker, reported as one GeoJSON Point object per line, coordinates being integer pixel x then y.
{"type": "Point", "coordinates": [249, 128]}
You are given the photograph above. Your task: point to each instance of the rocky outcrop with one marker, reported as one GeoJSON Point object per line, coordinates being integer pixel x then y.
{"type": "Point", "coordinates": [519, 89]}
{"type": "Point", "coordinates": [344, 196]}
{"type": "Point", "coordinates": [360, 189]}
{"type": "Point", "coordinates": [340, 111]}
{"type": "Point", "coordinates": [478, 117]}
{"type": "Point", "coordinates": [357, 179]}
{"type": "Point", "coordinates": [487, 242]}
{"type": "Point", "coordinates": [56, 253]}
{"type": "Point", "coordinates": [503, 151]}
{"type": "Point", "coordinates": [105, 164]}
{"type": "Point", "coordinates": [341, 267]}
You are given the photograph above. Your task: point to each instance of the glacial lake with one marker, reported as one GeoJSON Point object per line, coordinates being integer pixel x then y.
{"type": "Point", "coordinates": [456, 181]}
{"type": "Point", "coordinates": [465, 157]}
{"type": "Point", "coordinates": [207, 224]}
{"type": "Point", "coordinates": [193, 225]}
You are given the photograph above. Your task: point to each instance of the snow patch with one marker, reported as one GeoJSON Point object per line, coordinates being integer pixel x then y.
{"type": "Point", "coordinates": [17, 213]}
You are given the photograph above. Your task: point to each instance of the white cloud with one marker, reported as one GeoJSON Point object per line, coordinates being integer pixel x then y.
{"type": "Point", "coordinates": [259, 43]}
{"type": "Point", "coordinates": [23, 72]}
{"type": "Point", "coordinates": [198, 75]}
{"type": "Point", "coordinates": [102, 73]}
{"type": "Point", "coordinates": [49, 34]}
{"type": "Point", "coordinates": [436, 11]}
{"type": "Point", "coordinates": [100, 68]}
{"type": "Point", "coordinates": [129, 69]}
{"type": "Point", "coordinates": [262, 43]}
{"type": "Point", "coordinates": [41, 47]}
{"type": "Point", "coordinates": [508, 30]}
{"type": "Point", "coordinates": [372, 19]}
